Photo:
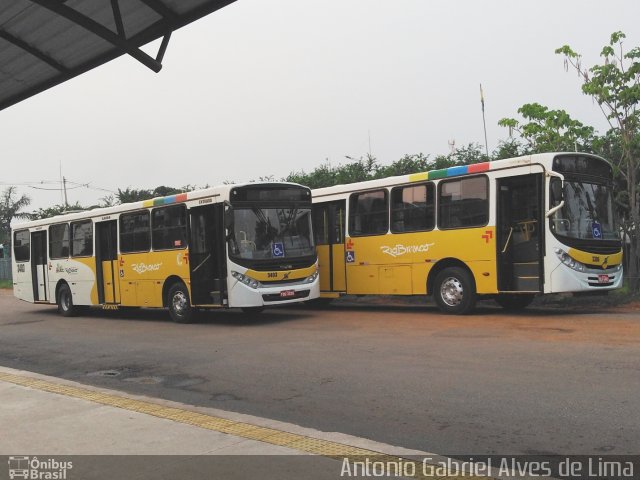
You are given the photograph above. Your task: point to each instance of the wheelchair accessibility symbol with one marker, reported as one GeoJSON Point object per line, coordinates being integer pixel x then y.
{"type": "Point", "coordinates": [277, 250]}
{"type": "Point", "coordinates": [350, 256]}
{"type": "Point", "coordinates": [596, 230]}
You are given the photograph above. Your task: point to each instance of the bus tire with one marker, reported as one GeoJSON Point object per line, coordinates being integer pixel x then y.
{"type": "Point", "coordinates": [252, 310]}
{"type": "Point", "coordinates": [513, 302]}
{"type": "Point", "coordinates": [65, 301]}
{"type": "Point", "coordinates": [179, 304]}
{"type": "Point", "coordinates": [454, 291]}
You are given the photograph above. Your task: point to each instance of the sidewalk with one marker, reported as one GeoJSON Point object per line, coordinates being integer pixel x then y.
{"type": "Point", "coordinates": [47, 416]}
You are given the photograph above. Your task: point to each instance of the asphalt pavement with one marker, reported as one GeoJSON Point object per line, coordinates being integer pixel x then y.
{"type": "Point", "coordinates": [547, 381]}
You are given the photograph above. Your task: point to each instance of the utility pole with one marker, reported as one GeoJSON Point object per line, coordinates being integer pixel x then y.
{"type": "Point", "coordinates": [61, 192]}
{"type": "Point", "coordinates": [484, 122]}
{"type": "Point", "coordinates": [64, 187]}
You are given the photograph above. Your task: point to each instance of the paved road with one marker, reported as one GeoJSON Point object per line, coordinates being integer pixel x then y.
{"type": "Point", "coordinates": [547, 381]}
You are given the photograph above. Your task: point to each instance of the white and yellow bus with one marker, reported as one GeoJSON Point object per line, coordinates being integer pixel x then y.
{"type": "Point", "coordinates": [246, 246]}
{"type": "Point", "coordinates": [508, 229]}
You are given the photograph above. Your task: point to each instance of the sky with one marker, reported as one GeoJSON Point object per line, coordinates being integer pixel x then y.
{"type": "Point", "coordinates": [264, 88]}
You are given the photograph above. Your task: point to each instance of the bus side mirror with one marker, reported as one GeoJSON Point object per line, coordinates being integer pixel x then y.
{"type": "Point", "coordinates": [228, 216]}
{"type": "Point", "coordinates": [557, 190]}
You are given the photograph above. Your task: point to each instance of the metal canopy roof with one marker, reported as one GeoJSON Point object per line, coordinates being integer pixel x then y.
{"type": "Point", "coordinates": [46, 42]}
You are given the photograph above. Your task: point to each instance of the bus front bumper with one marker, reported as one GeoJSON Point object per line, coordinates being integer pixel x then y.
{"type": "Point", "coordinates": [565, 279]}
{"type": "Point", "coordinates": [241, 295]}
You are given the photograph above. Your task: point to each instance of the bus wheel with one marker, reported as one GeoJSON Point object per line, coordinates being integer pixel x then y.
{"type": "Point", "coordinates": [179, 304]}
{"type": "Point", "coordinates": [514, 302]}
{"type": "Point", "coordinates": [454, 291]}
{"type": "Point", "coordinates": [252, 310]}
{"type": "Point", "coordinates": [65, 301]}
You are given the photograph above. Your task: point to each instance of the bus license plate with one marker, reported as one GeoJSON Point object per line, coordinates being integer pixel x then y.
{"type": "Point", "coordinates": [287, 293]}
{"type": "Point", "coordinates": [603, 278]}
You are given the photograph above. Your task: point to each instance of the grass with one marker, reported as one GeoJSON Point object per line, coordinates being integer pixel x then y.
{"type": "Point", "coordinates": [6, 284]}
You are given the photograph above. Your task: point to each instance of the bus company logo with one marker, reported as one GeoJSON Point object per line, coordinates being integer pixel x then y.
{"type": "Point", "coordinates": [21, 268]}
{"type": "Point", "coordinates": [141, 268]}
{"type": "Point", "coordinates": [399, 249]}
{"type": "Point", "coordinates": [68, 270]}
{"type": "Point", "coordinates": [36, 469]}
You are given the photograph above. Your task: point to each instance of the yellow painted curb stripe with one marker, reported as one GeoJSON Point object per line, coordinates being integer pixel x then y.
{"type": "Point", "coordinates": [272, 436]}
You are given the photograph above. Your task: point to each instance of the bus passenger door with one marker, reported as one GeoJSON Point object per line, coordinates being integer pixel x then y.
{"type": "Point", "coordinates": [107, 272]}
{"type": "Point", "coordinates": [329, 227]}
{"type": "Point", "coordinates": [39, 270]}
{"type": "Point", "coordinates": [207, 255]}
{"type": "Point", "coordinates": [520, 233]}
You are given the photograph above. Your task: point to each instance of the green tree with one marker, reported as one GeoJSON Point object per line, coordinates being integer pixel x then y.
{"type": "Point", "coordinates": [11, 206]}
{"type": "Point", "coordinates": [56, 210]}
{"type": "Point", "coordinates": [472, 153]}
{"type": "Point", "coordinates": [509, 148]}
{"type": "Point", "coordinates": [357, 170]}
{"type": "Point", "coordinates": [406, 165]}
{"type": "Point", "coordinates": [615, 85]}
{"type": "Point", "coordinates": [130, 195]}
{"type": "Point", "coordinates": [547, 130]}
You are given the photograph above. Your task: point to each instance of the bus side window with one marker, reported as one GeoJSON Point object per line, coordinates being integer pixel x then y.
{"type": "Point", "coordinates": [82, 239]}
{"type": "Point", "coordinates": [22, 246]}
{"type": "Point", "coordinates": [169, 227]}
{"type": "Point", "coordinates": [463, 203]}
{"type": "Point", "coordinates": [369, 213]}
{"type": "Point", "coordinates": [59, 241]}
{"type": "Point", "coordinates": [413, 208]}
{"type": "Point", "coordinates": [135, 234]}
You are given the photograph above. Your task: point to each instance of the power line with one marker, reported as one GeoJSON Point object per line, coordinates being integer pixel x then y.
{"type": "Point", "coordinates": [87, 185]}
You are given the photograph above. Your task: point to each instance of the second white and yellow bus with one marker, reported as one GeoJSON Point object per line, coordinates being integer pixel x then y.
{"type": "Point", "coordinates": [509, 229]}
{"type": "Point", "coordinates": [246, 246]}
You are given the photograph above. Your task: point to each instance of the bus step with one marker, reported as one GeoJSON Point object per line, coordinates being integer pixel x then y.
{"type": "Point", "coordinates": [216, 296]}
{"type": "Point", "coordinates": [528, 269]}
{"type": "Point", "coordinates": [527, 283]}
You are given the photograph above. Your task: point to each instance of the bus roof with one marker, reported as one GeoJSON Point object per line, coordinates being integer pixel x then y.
{"type": "Point", "coordinates": [220, 190]}
{"type": "Point", "coordinates": [544, 158]}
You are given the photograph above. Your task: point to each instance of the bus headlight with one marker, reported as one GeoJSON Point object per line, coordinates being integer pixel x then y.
{"type": "Point", "coordinates": [247, 280]}
{"type": "Point", "coordinates": [311, 278]}
{"type": "Point", "coordinates": [568, 261]}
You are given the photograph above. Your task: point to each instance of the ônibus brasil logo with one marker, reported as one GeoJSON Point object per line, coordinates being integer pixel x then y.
{"type": "Point", "coordinates": [33, 468]}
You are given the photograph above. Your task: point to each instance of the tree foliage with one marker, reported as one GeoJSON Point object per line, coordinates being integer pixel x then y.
{"type": "Point", "coordinates": [129, 195]}
{"type": "Point", "coordinates": [546, 130]}
{"type": "Point", "coordinates": [615, 85]}
{"type": "Point", "coordinates": [56, 210]}
{"type": "Point", "coordinates": [369, 168]}
{"type": "Point", "coordinates": [11, 206]}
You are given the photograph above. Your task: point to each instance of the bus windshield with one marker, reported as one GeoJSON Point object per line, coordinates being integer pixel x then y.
{"type": "Point", "coordinates": [587, 212]}
{"type": "Point", "coordinates": [271, 233]}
